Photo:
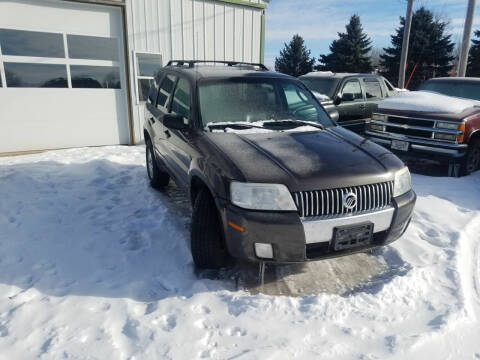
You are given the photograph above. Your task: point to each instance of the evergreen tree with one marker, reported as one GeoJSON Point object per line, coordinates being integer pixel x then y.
{"type": "Point", "coordinates": [474, 57]}
{"type": "Point", "coordinates": [430, 49]}
{"type": "Point", "coordinates": [350, 52]}
{"type": "Point", "coordinates": [295, 58]}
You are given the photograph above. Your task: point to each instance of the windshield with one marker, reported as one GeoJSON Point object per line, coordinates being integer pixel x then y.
{"type": "Point", "coordinates": [467, 90]}
{"type": "Point", "coordinates": [325, 86]}
{"type": "Point", "coordinates": [249, 100]}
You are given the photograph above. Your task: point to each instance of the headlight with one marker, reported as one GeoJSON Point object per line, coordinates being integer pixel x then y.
{"type": "Point", "coordinates": [403, 182]}
{"type": "Point", "coordinates": [449, 137]}
{"type": "Point", "coordinates": [379, 117]}
{"type": "Point", "coordinates": [261, 196]}
{"type": "Point", "coordinates": [447, 125]}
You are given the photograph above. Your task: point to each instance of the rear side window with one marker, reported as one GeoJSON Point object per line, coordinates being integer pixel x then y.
{"type": "Point", "coordinates": [166, 89]}
{"type": "Point", "coordinates": [181, 99]}
{"type": "Point", "coordinates": [373, 90]}
{"type": "Point", "coordinates": [352, 90]}
{"type": "Point", "coordinates": [152, 93]}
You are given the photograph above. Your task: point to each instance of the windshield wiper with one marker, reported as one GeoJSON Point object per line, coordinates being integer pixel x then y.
{"type": "Point", "coordinates": [293, 121]}
{"type": "Point", "coordinates": [233, 125]}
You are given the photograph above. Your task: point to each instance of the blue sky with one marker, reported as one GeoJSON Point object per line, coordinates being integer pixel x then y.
{"type": "Point", "coordinates": [318, 21]}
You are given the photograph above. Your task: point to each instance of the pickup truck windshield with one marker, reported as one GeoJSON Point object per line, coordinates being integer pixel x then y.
{"type": "Point", "coordinates": [321, 85]}
{"type": "Point", "coordinates": [248, 100]}
{"type": "Point", "coordinates": [467, 90]}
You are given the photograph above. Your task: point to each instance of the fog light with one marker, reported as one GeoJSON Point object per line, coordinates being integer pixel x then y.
{"type": "Point", "coordinates": [376, 127]}
{"type": "Point", "coordinates": [264, 251]}
{"type": "Point", "coordinates": [449, 137]}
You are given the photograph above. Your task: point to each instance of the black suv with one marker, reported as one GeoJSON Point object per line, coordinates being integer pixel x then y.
{"type": "Point", "coordinates": [271, 177]}
{"type": "Point", "coordinates": [354, 96]}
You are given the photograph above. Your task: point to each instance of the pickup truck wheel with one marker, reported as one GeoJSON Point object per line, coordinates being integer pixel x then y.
{"type": "Point", "coordinates": [208, 250]}
{"type": "Point", "coordinates": [471, 161]}
{"type": "Point", "coordinates": [158, 179]}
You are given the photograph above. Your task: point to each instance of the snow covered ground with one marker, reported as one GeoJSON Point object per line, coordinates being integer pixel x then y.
{"type": "Point", "coordinates": [96, 265]}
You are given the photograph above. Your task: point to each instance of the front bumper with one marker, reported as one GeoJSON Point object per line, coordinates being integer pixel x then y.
{"type": "Point", "coordinates": [297, 240]}
{"type": "Point", "coordinates": [420, 148]}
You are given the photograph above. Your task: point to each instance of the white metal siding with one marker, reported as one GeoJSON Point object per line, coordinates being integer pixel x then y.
{"type": "Point", "coordinates": [191, 29]}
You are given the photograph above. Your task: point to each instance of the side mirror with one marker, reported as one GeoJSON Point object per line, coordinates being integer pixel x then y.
{"type": "Point", "coordinates": [334, 115]}
{"type": "Point", "coordinates": [348, 97]}
{"type": "Point", "coordinates": [175, 122]}
{"type": "Point", "coordinates": [338, 100]}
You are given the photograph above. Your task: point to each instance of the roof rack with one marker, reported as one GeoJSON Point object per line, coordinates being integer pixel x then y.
{"type": "Point", "coordinates": [192, 63]}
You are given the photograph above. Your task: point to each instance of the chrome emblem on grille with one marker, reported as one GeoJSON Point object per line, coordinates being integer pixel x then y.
{"type": "Point", "coordinates": [349, 200]}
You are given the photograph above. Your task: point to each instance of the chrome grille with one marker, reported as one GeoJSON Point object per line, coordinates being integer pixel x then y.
{"type": "Point", "coordinates": [416, 128]}
{"type": "Point", "coordinates": [329, 203]}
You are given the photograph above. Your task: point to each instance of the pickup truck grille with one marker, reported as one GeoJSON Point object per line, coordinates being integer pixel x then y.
{"type": "Point", "coordinates": [329, 203]}
{"type": "Point", "coordinates": [418, 128]}
{"type": "Point", "coordinates": [410, 121]}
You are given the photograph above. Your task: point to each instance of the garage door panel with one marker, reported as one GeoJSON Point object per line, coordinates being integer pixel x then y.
{"type": "Point", "coordinates": [45, 15]}
{"type": "Point", "coordinates": [49, 99]}
{"type": "Point", "coordinates": [59, 120]}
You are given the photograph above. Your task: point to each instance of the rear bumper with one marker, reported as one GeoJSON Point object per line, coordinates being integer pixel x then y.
{"type": "Point", "coordinates": [419, 148]}
{"type": "Point", "coordinates": [294, 240]}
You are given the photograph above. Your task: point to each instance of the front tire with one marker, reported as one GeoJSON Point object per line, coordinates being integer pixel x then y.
{"type": "Point", "coordinates": [471, 162]}
{"type": "Point", "coordinates": [158, 178]}
{"type": "Point", "coordinates": [208, 247]}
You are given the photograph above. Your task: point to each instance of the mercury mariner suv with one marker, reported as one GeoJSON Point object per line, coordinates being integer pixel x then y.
{"type": "Point", "coordinates": [270, 175]}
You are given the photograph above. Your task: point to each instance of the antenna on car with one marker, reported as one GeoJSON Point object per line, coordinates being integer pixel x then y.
{"type": "Point", "coordinates": [192, 63]}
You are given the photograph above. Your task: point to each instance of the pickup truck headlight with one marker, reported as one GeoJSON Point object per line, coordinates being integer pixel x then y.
{"type": "Point", "coordinates": [379, 117]}
{"type": "Point", "coordinates": [403, 182]}
{"type": "Point", "coordinates": [447, 125]}
{"type": "Point", "coordinates": [275, 197]}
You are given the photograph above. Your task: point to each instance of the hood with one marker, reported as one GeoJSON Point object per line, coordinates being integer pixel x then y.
{"type": "Point", "coordinates": [307, 160]}
{"type": "Point", "coordinates": [427, 102]}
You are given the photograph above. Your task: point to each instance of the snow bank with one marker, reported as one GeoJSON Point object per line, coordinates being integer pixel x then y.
{"type": "Point", "coordinates": [424, 101]}
{"type": "Point", "coordinates": [94, 264]}
{"type": "Point", "coordinates": [321, 97]}
{"type": "Point", "coordinates": [258, 130]}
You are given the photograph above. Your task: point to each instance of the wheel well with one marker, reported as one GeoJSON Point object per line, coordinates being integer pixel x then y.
{"type": "Point", "coordinates": [474, 136]}
{"type": "Point", "coordinates": [196, 186]}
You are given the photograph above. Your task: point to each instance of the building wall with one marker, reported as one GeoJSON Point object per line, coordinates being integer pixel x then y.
{"type": "Point", "coordinates": [191, 29]}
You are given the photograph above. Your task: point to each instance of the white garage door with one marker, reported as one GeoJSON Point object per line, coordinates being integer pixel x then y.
{"type": "Point", "coordinates": [63, 80]}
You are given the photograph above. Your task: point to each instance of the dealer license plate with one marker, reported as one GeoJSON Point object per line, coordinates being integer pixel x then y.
{"type": "Point", "coordinates": [400, 145]}
{"type": "Point", "coordinates": [352, 236]}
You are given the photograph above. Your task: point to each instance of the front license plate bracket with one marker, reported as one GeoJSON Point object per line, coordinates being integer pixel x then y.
{"type": "Point", "coordinates": [400, 145]}
{"type": "Point", "coordinates": [352, 236]}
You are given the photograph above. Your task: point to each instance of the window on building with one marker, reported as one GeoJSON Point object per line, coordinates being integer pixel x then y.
{"type": "Point", "coordinates": [352, 91]}
{"type": "Point", "coordinates": [92, 47]}
{"type": "Point", "coordinates": [147, 67]}
{"type": "Point", "coordinates": [106, 77]}
{"type": "Point", "coordinates": [181, 99]}
{"type": "Point", "coordinates": [31, 43]}
{"type": "Point", "coordinates": [166, 89]}
{"type": "Point", "coordinates": [373, 90]}
{"type": "Point", "coordinates": [35, 75]}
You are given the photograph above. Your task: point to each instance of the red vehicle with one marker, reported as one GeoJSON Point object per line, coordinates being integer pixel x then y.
{"type": "Point", "coordinates": [429, 125]}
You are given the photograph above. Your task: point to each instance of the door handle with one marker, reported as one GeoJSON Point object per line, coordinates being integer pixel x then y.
{"type": "Point", "coordinates": [167, 133]}
{"type": "Point", "coordinates": [152, 120]}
